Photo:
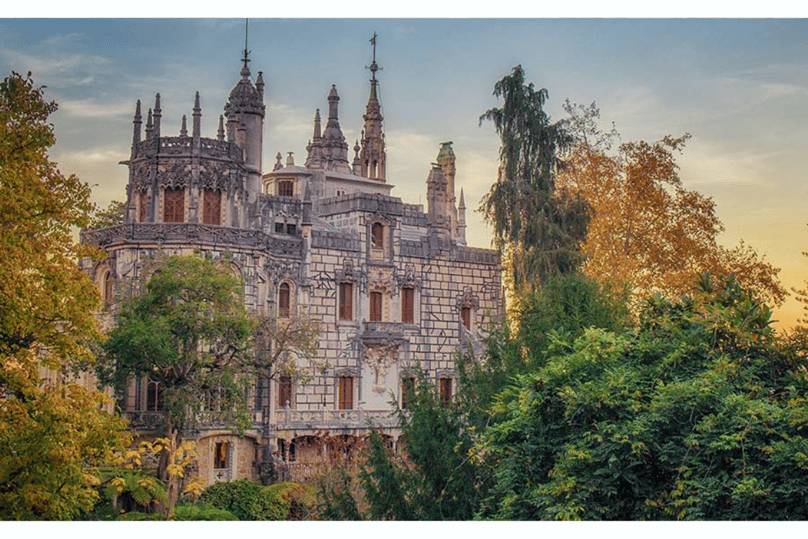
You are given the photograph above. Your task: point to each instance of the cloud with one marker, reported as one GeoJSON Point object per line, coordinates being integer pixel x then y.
{"type": "Point", "coordinates": [61, 67]}
{"type": "Point", "coordinates": [91, 108]}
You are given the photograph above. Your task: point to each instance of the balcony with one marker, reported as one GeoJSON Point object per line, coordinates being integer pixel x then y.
{"type": "Point", "coordinates": [335, 419]}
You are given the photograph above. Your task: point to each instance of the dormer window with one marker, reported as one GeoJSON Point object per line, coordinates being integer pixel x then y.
{"type": "Point", "coordinates": [286, 188]}
{"type": "Point", "coordinates": [377, 235]}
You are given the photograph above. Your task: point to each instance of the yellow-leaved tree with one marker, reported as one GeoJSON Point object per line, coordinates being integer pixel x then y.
{"type": "Point", "coordinates": [53, 430]}
{"type": "Point", "coordinates": [647, 232]}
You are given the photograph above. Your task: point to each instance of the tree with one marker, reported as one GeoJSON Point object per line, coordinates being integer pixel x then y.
{"type": "Point", "coordinates": [189, 332]}
{"type": "Point", "coordinates": [699, 414]}
{"type": "Point", "coordinates": [112, 215]}
{"type": "Point", "coordinates": [53, 430]}
{"type": "Point", "coordinates": [538, 228]}
{"type": "Point", "coordinates": [648, 233]}
{"type": "Point", "coordinates": [802, 296]}
{"type": "Point", "coordinates": [434, 477]}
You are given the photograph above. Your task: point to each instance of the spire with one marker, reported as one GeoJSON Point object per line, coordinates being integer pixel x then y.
{"type": "Point", "coordinates": [136, 123]}
{"type": "Point", "coordinates": [333, 103]}
{"type": "Point", "coordinates": [245, 70]}
{"type": "Point", "coordinates": [317, 133]}
{"type": "Point", "coordinates": [220, 132]}
{"type": "Point", "coordinates": [149, 125]}
{"type": "Point", "coordinates": [184, 127]}
{"type": "Point", "coordinates": [278, 164]}
{"type": "Point", "coordinates": [158, 113]}
{"type": "Point", "coordinates": [332, 149]}
{"type": "Point", "coordinates": [197, 129]}
{"type": "Point", "coordinates": [462, 205]}
{"type": "Point", "coordinates": [461, 220]}
{"type": "Point", "coordinates": [373, 155]}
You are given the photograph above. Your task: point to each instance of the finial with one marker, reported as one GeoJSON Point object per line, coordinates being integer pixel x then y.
{"type": "Point", "coordinates": [197, 129]}
{"type": "Point", "coordinates": [136, 127]}
{"type": "Point", "coordinates": [373, 67]}
{"type": "Point", "coordinates": [333, 103]}
{"type": "Point", "coordinates": [278, 158]}
{"type": "Point", "coordinates": [158, 112]}
{"type": "Point", "coordinates": [356, 147]}
{"type": "Point", "coordinates": [184, 127]}
{"type": "Point", "coordinates": [462, 205]}
{"type": "Point", "coordinates": [245, 71]}
{"type": "Point", "coordinates": [220, 132]}
{"type": "Point", "coordinates": [317, 131]}
{"type": "Point", "coordinates": [149, 125]}
{"type": "Point", "coordinates": [290, 159]}
{"type": "Point", "coordinates": [137, 111]}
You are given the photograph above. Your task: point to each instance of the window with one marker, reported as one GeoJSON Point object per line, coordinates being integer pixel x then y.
{"type": "Point", "coordinates": [408, 305]}
{"type": "Point", "coordinates": [346, 301]}
{"type": "Point", "coordinates": [445, 390]}
{"type": "Point", "coordinates": [221, 456]}
{"type": "Point", "coordinates": [286, 188]}
{"type": "Point", "coordinates": [375, 306]}
{"type": "Point", "coordinates": [292, 451]}
{"type": "Point", "coordinates": [377, 235]}
{"type": "Point", "coordinates": [142, 206]}
{"type": "Point", "coordinates": [211, 207]}
{"type": "Point", "coordinates": [283, 300]}
{"type": "Point", "coordinates": [282, 449]}
{"type": "Point", "coordinates": [154, 396]}
{"type": "Point", "coordinates": [465, 317]}
{"type": "Point", "coordinates": [407, 391]}
{"type": "Point", "coordinates": [285, 391]}
{"type": "Point", "coordinates": [345, 393]}
{"type": "Point", "coordinates": [108, 288]}
{"type": "Point", "coordinates": [174, 205]}
{"type": "Point", "coordinates": [291, 228]}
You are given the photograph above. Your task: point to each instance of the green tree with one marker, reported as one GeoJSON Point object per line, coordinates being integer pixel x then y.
{"type": "Point", "coordinates": [54, 429]}
{"type": "Point", "coordinates": [700, 413]}
{"type": "Point", "coordinates": [112, 215]}
{"type": "Point", "coordinates": [189, 332]}
{"type": "Point", "coordinates": [434, 477]}
{"type": "Point", "coordinates": [538, 228]}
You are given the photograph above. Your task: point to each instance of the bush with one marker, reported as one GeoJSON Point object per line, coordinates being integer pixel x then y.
{"type": "Point", "coordinates": [250, 501]}
{"type": "Point", "coordinates": [137, 516]}
{"type": "Point", "coordinates": [294, 501]}
{"type": "Point", "coordinates": [202, 511]}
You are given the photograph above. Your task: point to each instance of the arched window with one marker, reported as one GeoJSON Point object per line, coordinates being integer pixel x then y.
{"type": "Point", "coordinates": [377, 235]}
{"type": "Point", "coordinates": [154, 396]}
{"type": "Point", "coordinates": [108, 288]}
{"type": "Point", "coordinates": [283, 300]}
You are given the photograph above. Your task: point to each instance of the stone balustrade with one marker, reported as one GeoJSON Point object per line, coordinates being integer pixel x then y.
{"type": "Point", "coordinates": [331, 419]}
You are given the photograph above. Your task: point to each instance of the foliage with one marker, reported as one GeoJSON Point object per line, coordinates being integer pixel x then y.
{"type": "Point", "coordinates": [286, 346]}
{"type": "Point", "coordinates": [201, 511]}
{"type": "Point", "coordinates": [648, 233]}
{"type": "Point", "coordinates": [536, 226]}
{"type": "Point", "coordinates": [112, 215]}
{"type": "Point", "coordinates": [251, 501]}
{"type": "Point", "coordinates": [802, 296]}
{"type": "Point", "coordinates": [434, 478]}
{"type": "Point", "coordinates": [338, 495]}
{"type": "Point", "coordinates": [562, 309]}
{"type": "Point", "coordinates": [131, 489]}
{"type": "Point", "coordinates": [53, 430]}
{"type": "Point", "coordinates": [189, 331]}
{"type": "Point", "coordinates": [699, 414]}
{"type": "Point", "coordinates": [296, 500]}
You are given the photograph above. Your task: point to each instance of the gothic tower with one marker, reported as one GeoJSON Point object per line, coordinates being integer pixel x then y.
{"type": "Point", "coordinates": [245, 113]}
{"type": "Point", "coordinates": [372, 154]}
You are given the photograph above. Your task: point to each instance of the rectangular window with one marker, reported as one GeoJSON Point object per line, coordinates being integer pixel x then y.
{"type": "Point", "coordinates": [345, 389]}
{"type": "Point", "coordinates": [375, 306]}
{"type": "Point", "coordinates": [154, 396]}
{"type": "Point", "coordinates": [285, 392]}
{"type": "Point", "coordinates": [221, 456]}
{"type": "Point", "coordinates": [408, 305]}
{"type": "Point", "coordinates": [286, 188]}
{"type": "Point", "coordinates": [465, 316]}
{"type": "Point", "coordinates": [346, 301]}
{"type": "Point", "coordinates": [407, 391]}
{"type": "Point", "coordinates": [445, 390]}
{"type": "Point", "coordinates": [174, 205]}
{"type": "Point", "coordinates": [143, 206]}
{"type": "Point", "coordinates": [211, 207]}
{"type": "Point", "coordinates": [284, 300]}
{"type": "Point", "coordinates": [291, 228]}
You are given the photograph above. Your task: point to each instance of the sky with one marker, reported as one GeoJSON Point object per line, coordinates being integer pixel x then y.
{"type": "Point", "coordinates": [739, 87]}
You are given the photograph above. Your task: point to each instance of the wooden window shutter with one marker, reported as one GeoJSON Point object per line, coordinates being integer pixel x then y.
{"type": "Point", "coordinates": [285, 391]}
{"type": "Point", "coordinates": [143, 202]}
{"type": "Point", "coordinates": [376, 306]}
{"type": "Point", "coordinates": [174, 205]}
{"type": "Point", "coordinates": [345, 396]}
{"type": "Point", "coordinates": [407, 389]}
{"type": "Point", "coordinates": [377, 235]}
{"type": "Point", "coordinates": [283, 300]}
{"type": "Point", "coordinates": [465, 316]}
{"type": "Point", "coordinates": [212, 207]}
{"type": "Point", "coordinates": [346, 301]}
{"type": "Point", "coordinates": [408, 305]}
{"type": "Point", "coordinates": [445, 390]}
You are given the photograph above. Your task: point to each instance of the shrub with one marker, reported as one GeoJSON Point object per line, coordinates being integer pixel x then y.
{"type": "Point", "coordinates": [137, 515]}
{"type": "Point", "coordinates": [250, 501]}
{"type": "Point", "coordinates": [202, 511]}
{"type": "Point", "coordinates": [292, 501]}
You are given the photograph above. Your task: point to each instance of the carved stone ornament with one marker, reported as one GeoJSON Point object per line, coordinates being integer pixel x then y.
{"type": "Point", "coordinates": [379, 358]}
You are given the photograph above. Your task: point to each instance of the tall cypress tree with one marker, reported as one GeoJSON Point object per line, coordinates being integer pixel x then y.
{"type": "Point", "coordinates": [536, 227]}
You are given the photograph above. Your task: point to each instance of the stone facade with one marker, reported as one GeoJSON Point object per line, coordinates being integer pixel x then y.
{"type": "Point", "coordinates": [394, 288]}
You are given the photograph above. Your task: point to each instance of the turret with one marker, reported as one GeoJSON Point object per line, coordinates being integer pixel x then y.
{"type": "Point", "coordinates": [447, 161]}
{"type": "Point", "coordinates": [245, 112]}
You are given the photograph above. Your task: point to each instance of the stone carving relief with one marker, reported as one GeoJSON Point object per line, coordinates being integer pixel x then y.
{"type": "Point", "coordinates": [379, 358]}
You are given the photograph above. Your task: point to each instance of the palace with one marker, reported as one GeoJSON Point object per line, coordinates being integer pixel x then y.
{"type": "Point", "coordinates": [394, 288]}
